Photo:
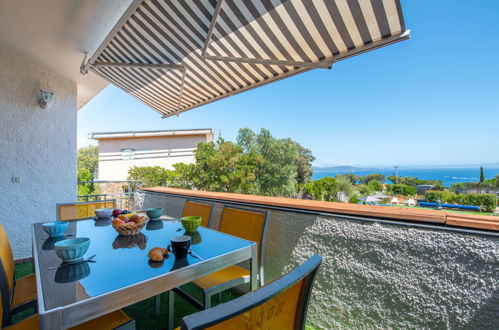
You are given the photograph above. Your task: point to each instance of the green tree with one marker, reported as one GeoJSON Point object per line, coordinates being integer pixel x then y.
{"type": "Point", "coordinates": [278, 174]}
{"type": "Point", "coordinates": [88, 158]}
{"type": "Point", "coordinates": [87, 165]}
{"type": "Point", "coordinates": [224, 166]}
{"type": "Point", "coordinates": [344, 185]}
{"type": "Point", "coordinates": [402, 189]}
{"type": "Point", "coordinates": [84, 174]}
{"type": "Point", "coordinates": [324, 189]}
{"type": "Point", "coordinates": [375, 186]}
{"type": "Point", "coordinates": [151, 176]}
{"type": "Point", "coordinates": [370, 177]}
{"type": "Point", "coordinates": [304, 164]}
{"type": "Point", "coordinates": [482, 174]}
{"type": "Point", "coordinates": [413, 182]}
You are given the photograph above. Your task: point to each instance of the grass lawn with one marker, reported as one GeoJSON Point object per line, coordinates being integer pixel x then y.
{"type": "Point", "coordinates": [143, 312]}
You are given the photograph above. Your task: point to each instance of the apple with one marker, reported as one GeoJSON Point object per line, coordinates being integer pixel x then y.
{"type": "Point", "coordinates": [116, 212]}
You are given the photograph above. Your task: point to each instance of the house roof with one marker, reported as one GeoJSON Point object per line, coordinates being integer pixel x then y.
{"type": "Point", "coordinates": [141, 134]}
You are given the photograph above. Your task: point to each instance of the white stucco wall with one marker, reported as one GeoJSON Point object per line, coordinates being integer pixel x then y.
{"type": "Point", "coordinates": [149, 151]}
{"type": "Point", "coordinates": [377, 276]}
{"type": "Point", "coordinates": [37, 145]}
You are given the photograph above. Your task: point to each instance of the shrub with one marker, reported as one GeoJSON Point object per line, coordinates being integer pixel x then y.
{"type": "Point", "coordinates": [324, 189]}
{"type": "Point", "coordinates": [375, 185]}
{"type": "Point", "coordinates": [487, 202]}
{"type": "Point", "coordinates": [432, 196]}
{"type": "Point", "coordinates": [402, 189]}
{"type": "Point", "coordinates": [353, 199]}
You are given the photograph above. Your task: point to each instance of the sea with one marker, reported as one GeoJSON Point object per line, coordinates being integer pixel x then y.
{"type": "Point", "coordinates": [447, 175]}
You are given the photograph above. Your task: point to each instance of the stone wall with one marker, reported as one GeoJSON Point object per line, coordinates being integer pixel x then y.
{"type": "Point", "coordinates": [380, 275]}
{"type": "Point", "coordinates": [37, 145]}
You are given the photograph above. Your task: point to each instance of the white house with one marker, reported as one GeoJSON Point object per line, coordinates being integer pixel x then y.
{"type": "Point", "coordinates": [119, 151]}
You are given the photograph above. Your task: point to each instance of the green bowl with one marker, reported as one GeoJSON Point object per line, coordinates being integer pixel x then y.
{"type": "Point", "coordinates": [191, 223]}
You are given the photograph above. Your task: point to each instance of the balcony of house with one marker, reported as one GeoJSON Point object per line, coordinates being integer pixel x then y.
{"type": "Point", "coordinates": [383, 266]}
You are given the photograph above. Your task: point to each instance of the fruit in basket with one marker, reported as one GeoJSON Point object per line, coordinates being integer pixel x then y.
{"type": "Point", "coordinates": [157, 254]}
{"type": "Point", "coordinates": [123, 217]}
{"type": "Point", "coordinates": [138, 219]}
{"type": "Point", "coordinates": [118, 222]}
{"type": "Point", "coordinates": [116, 212]}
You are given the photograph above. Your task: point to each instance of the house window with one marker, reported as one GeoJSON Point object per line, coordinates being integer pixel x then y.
{"type": "Point", "coordinates": [127, 154]}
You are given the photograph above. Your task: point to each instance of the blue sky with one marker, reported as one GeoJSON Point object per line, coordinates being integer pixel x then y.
{"type": "Point", "coordinates": [431, 100]}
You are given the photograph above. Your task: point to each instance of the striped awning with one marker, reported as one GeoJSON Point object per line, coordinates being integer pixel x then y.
{"type": "Point", "coordinates": [175, 55]}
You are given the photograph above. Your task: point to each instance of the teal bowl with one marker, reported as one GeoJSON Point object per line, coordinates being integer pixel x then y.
{"type": "Point", "coordinates": [55, 228]}
{"type": "Point", "coordinates": [154, 212]}
{"type": "Point", "coordinates": [72, 273]}
{"type": "Point", "coordinates": [72, 249]}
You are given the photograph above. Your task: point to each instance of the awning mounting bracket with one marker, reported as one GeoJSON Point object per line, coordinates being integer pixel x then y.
{"type": "Point", "coordinates": [85, 67]}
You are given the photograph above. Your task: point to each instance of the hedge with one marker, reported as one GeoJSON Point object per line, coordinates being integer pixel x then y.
{"type": "Point", "coordinates": [487, 202]}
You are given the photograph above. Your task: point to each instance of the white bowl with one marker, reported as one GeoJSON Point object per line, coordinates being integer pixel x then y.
{"type": "Point", "coordinates": [103, 213]}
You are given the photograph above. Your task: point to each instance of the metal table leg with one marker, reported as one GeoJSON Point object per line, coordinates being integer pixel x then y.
{"type": "Point", "coordinates": [171, 303]}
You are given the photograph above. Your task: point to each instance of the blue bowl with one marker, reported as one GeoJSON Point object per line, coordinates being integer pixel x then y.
{"type": "Point", "coordinates": [56, 228]}
{"type": "Point", "coordinates": [72, 249]}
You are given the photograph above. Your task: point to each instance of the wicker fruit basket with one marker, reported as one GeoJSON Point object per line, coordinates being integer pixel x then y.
{"type": "Point", "coordinates": [129, 228]}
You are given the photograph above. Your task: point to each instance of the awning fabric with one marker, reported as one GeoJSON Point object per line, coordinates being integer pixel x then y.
{"type": "Point", "coordinates": [175, 55]}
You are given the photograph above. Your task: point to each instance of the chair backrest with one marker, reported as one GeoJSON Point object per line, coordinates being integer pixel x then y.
{"type": "Point", "coordinates": [204, 210]}
{"type": "Point", "coordinates": [83, 210]}
{"type": "Point", "coordinates": [281, 304]}
{"type": "Point", "coordinates": [6, 277]}
{"type": "Point", "coordinates": [7, 258]}
{"type": "Point", "coordinates": [247, 224]}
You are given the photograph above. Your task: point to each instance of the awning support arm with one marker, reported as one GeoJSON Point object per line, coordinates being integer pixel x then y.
{"type": "Point", "coordinates": [168, 66]}
{"type": "Point", "coordinates": [320, 65]}
{"type": "Point", "coordinates": [218, 8]}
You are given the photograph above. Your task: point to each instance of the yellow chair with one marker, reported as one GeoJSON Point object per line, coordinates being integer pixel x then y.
{"type": "Point", "coordinates": [244, 223]}
{"type": "Point", "coordinates": [25, 292]}
{"type": "Point", "coordinates": [115, 320]}
{"type": "Point", "coordinates": [203, 210]}
{"type": "Point", "coordinates": [22, 292]}
{"type": "Point", "coordinates": [281, 304]}
{"type": "Point", "coordinates": [83, 210]}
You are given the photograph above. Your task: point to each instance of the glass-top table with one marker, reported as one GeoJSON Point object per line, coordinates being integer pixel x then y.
{"type": "Point", "coordinates": [122, 274]}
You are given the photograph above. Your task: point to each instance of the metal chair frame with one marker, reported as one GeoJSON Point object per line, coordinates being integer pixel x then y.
{"type": "Point", "coordinates": [58, 205]}
{"type": "Point", "coordinates": [210, 292]}
{"type": "Point", "coordinates": [202, 202]}
{"type": "Point", "coordinates": [306, 272]}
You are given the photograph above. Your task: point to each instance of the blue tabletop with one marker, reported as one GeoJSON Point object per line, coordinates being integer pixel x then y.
{"type": "Point", "coordinates": [120, 260]}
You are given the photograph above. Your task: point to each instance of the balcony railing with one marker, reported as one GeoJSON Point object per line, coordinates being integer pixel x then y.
{"type": "Point", "coordinates": [122, 191]}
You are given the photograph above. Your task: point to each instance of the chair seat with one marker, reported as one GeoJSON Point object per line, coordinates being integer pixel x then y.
{"type": "Point", "coordinates": [107, 322]}
{"type": "Point", "coordinates": [24, 290]}
{"type": "Point", "coordinates": [222, 276]}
